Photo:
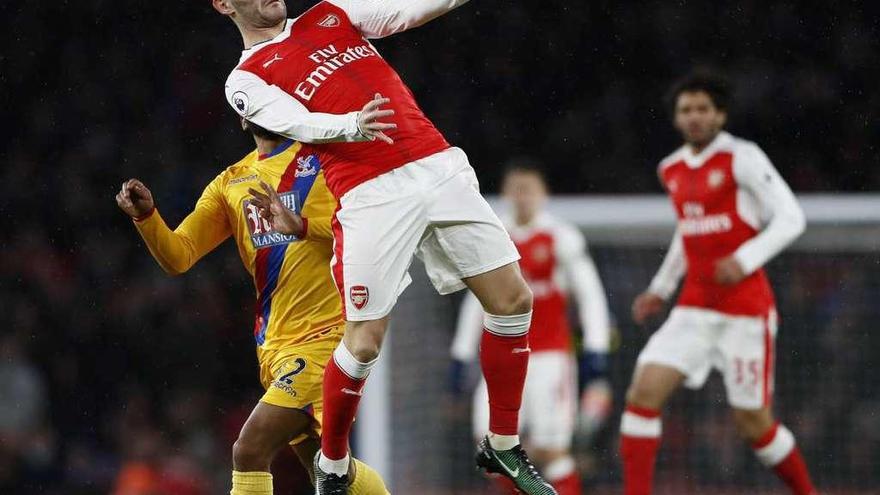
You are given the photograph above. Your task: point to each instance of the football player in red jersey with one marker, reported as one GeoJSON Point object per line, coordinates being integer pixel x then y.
{"type": "Point", "coordinates": [735, 213]}
{"type": "Point", "coordinates": [403, 191]}
{"type": "Point", "coordinates": [558, 268]}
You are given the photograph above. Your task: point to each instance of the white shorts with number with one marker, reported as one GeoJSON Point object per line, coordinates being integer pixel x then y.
{"type": "Point", "coordinates": [431, 208]}
{"type": "Point", "coordinates": [549, 406]}
{"type": "Point", "coordinates": [694, 341]}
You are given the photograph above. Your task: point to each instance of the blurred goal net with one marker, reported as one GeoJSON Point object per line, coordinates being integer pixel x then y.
{"type": "Point", "coordinates": [827, 388]}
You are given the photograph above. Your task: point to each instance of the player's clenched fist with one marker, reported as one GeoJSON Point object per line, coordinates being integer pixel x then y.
{"type": "Point", "coordinates": [135, 199]}
{"type": "Point", "coordinates": [647, 306]}
{"type": "Point", "coordinates": [368, 120]}
{"type": "Point", "coordinates": [281, 218]}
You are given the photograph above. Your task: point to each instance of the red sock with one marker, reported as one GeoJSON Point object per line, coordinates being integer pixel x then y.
{"type": "Point", "coordinates": [562, 474]}
{"type": "Point", "coordinates": [793, 471]}
{"type": "Point", "coordinates": [504, 360]}
{"type": "Point", "coordinates": [639, 441]}
{"type": "Point", "coordinates": [569, 485]}
{"type": "Point", "coordinates": [342, 394]}
{"type": "Point", "coordinates": [777, 449]}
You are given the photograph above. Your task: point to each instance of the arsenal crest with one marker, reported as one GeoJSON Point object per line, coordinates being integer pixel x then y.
{"type": "Point", "coordinates": [330, 21]}
{"type": "Point", "coordinates": [716, 178]}
{"type": "Point", "coordinates": [541, 253]}
{"type": "Point", "coordinates": [359, 295]}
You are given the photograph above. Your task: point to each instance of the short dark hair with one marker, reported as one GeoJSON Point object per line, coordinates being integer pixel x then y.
{"type": "Point", "coordinates": [261, 132]}
{"type": "Point", "coordinates": [525, 165]}
{"type": "Point", "coordinates": [704, 81]}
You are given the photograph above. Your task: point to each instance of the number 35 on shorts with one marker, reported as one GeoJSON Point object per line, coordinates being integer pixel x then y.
{"type": "Point", "coordinates": [747, 372]}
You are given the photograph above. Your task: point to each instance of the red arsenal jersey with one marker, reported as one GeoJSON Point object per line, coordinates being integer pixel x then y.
{"type": "Point", "coordinates": [327, 65]}
{"type": "Point", "coordinates": [556, 264]}
{"type": "Point", "coordinates": [723, 198]}
{"type": "Point", "coordinates": [550, 328]}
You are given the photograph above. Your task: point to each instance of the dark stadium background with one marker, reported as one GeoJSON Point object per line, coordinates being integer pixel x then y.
{"type": "Point", "coordinates": [105, 364]}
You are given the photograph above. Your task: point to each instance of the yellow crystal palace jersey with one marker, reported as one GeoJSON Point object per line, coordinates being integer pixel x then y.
{"type": "Point", "coordinates": [297, 300]}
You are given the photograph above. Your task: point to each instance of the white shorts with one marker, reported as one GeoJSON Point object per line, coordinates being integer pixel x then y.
{"type": "Point", "coordinates": [742, 348]}
{"type": "Point", "coordinates": [431, 208]}
{"type": "Point", "coordinates": [549, 407]}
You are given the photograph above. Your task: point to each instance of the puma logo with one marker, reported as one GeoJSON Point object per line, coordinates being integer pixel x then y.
{"type": "Point", "coordinates": [270, 62]}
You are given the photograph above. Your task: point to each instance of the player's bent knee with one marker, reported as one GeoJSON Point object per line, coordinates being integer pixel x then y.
{"type": "Point", "coordinates": [514, 302]}
{"type": "Point", "coordinates": [356, 358]}
{"type": "Point", "coordinates": [752, 424]}
{"type": "Point", "coordinates": [502, 292]}
{"type": "Point", "coordinates": [365, 352]}
{"type": "Point", "coordinates": [364, 339]}
{"type": "Point", "coordinates": [365, 348]}
{"type": "Point", "coordinates": [248, 455]}
{"type": "Point", "coordinates": [523, 301]}
{"type": "Point", "coordinates": [652, 386]}
{"type": "Point", "coordinates": [640, 394]}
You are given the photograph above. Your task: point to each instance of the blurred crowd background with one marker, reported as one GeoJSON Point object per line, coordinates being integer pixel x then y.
{"type": "Point", "coordinates": [116, 379]}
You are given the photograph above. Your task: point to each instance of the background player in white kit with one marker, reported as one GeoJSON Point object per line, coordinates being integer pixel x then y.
{"type": "Point", "coordinates": [735, 214]}
{"type": "Point", "coordinates": [556, 265]}
{"type": "Point", "coordinates": [402, 190]}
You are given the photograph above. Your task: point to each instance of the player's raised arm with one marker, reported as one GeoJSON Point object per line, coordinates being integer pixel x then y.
{"type": "Point", "coordinates": [381, 18]}
{"type": "Point", "coordinates": [754, 172]}
{"type": "Point", "coordinates": [275, 110]}
{"type": "Point", "coordinates": [175, 251]}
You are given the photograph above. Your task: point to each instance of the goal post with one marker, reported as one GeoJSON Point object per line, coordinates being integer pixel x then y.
{"type": "Point", "coordinates": [827, 390]}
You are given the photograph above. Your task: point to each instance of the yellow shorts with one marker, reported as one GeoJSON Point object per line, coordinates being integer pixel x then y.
{"type": "Point", "coordinates": [293, 378]}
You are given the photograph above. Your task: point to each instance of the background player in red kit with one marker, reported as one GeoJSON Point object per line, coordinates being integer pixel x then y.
{"type": "Point", "coordinates": [735, 213]}
{"type": "Point", "coordinates": [403, 193]}
{"type": "Point", "coordinates": [556, 266]}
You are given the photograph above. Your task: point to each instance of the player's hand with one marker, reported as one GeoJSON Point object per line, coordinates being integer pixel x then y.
{"type": "Point", "coordinates": [646, 306]}
{"type": "Point", "coordinates": [135, 199]}
{"type": "Point", "coordinates": [728, 271]}
{"type": "Point", "coordinates": [368, 120]}
{"type": "Point", "coordinates": [596, 406]}
{"type": "Point", "coordinates": [282, 219]}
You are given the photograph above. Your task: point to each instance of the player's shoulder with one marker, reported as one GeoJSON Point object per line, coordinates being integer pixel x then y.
{"type": "Point", "coordinates": [238, 75]}
{"type": "Point", "coordinates": [242, 81]}
{"type": "Point", "coordinates": [677, 156]}
{"type": "Point", "coordinates": [323, 6]}
{"type": "Point", "coordinates": [326, 14]}
{"type": "Point", "coordinates": [748, 156]}
{"type": "Point", "coordinates": [239, 171]}
{"type": "Point", "coordinates": [555, 223]}
{"type": "Point", "coordinates": [564, 232]}
{"type": "Point", "coordinates": [331, 5]}
{"type": "Point", "coordinates": [738, 145]}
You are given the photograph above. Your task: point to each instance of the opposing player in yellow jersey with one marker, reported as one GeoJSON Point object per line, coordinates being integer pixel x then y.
{"type": "Point", "coordinates": [298, 321]}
